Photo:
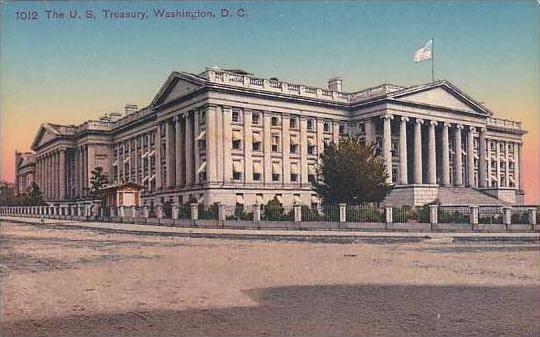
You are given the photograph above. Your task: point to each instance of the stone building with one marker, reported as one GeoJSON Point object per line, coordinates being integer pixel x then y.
{"type": "Point", "coordinates": [25, 168]}
{"type": "Point", "coordinates": [227, 136]}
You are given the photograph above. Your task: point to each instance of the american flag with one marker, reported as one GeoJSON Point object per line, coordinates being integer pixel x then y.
{"type": "Point", "coordinates": [424, 53]}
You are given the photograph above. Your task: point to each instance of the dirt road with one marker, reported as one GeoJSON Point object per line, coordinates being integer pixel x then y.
{"type": "Point", "coordinates": [91, 283]}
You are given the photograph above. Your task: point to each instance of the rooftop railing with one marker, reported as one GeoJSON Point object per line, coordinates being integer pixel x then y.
{"type": "Point", "coordinates": [504, 123]}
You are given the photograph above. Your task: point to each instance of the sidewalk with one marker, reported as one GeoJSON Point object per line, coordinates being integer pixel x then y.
{"type": "Point", "coordinates": [305, 235]}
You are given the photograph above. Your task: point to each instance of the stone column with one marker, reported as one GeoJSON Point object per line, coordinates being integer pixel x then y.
{"type": "Point", "coordinates": [180, 178]}
{"type": "Point", "coordinates": [517, 167]}
{"type": "Point", "coordinates": [403, 169]}
{"type": "Point", "coordinates": [507, 166]}
{"type": "Point", "coordinates": [387, 146]}
{"type": "Point", "coordinates": [370, 131]}
{"type": "Point", "coordinates": [170, 162]}
{"type": "Point", "coordinates": [285, 147]}
{"type": "Point", "coordinates": [335, 131]}
{"type": "Point", "coordinates": [267, 147]}
{"type": "Point", "coordinates": [62, 173]}
{"type": "Point", "coordinates": [196, 151]}
{"type": "Point", "coordinates": [303, 151]}
{"type": "Point", "coordinates": [211, 145]}
{"type": "Point", "coordinates": [498, 167]}
{"type": "Point", "coordinates": [248, 146]}
{"type": "Point", "coordinates": [470, 157]}
{"type": "Point", "coordinates": [482, 165]}
{"type": "Point", "coordinates": [227, 144]}
{"type": "Point", "coordinates": [319, 134]}
{"type": "Point", "coordinates": [159, 171]}
{"type": "Point", "coordinates": [445, 149]}
{"type": "Point", "coordinates": [432, 154]}
{"type": "Point", "coordinates": [458, 178]}
{"type": "Point", "coordinates": [189, 150]}
{"type": "Point", "coordinates": [418, 151]}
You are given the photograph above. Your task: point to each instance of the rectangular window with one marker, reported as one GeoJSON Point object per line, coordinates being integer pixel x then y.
{"type": "Point", "coordinates": [275, 120]}
{"type": "Point", "coordinates": [294, 177]}
{"type": "Point", "coordinates": [293, 148]}
{"type": "Point", "coordinates": [256, 176]}
{"type": "Point", "coordinates": [237, 144]}
{"type": "Point", "coordinates": [310, 124]}
{"type": "Point", "coordinates": [237, 176]}
{"type": "Point", "coordinates": [275, 177]}
{"type": "Point", "coordinates": [275, 143]}
{"type": "Point", "coordinates": [311, 149]}
{"type": "Point", "coordinates": [326, 127]}
{"type": "Point", "coordinates": [311, 178]}
{"type": "Point", "coordinates": [236, 116]}
{"type": "Point", "coordinates": [293, 123]}
{"type": "Point", "coordinates": [256, 146]}
{"type": "Point", "coordinates": [256, 118]}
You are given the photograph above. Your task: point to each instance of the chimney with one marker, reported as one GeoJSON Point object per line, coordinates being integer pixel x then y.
{"type": "Point", "coordinates": [129, 108]}
{"type": "Point", "coordinates": [334, 84]}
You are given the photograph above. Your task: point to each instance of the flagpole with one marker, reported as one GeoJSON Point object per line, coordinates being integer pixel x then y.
{"type": "Point", "coordinates": [432, 59]}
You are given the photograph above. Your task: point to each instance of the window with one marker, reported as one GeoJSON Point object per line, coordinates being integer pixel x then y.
{"type": "Point", "coordinates": [326, 127]}
{"type": "Point", "coordinates": [256, 146]}
{"type": "Point", "coordinates": [342, 128]}
{"type": "Point", "coordinates": [256, 176]}
{"type": "Point", "coordinates": [293, 123]}
{"type": "Point", "coordinates": [311, 178]}
{"type": "Point", "coordinates": [310, 124]}
{"type": "Point", "coordinates": [236, 144]}
{"type": "Point", "coordinates": [256, 118]}
{"type": "Point", "coordinates": [275, 143]}
{"type": "Point", "coordinates": [311, 149]}
{"type": "Point", "coordinates": [237, 175]}
{"type": "Point", "coordinates": [275, 177]}
{"type": "Point", "coordinates": [293, 148]}
{"type": "Point", "coordinates": [294, 177]}
{"type": "Point", "coordinates": [202, 145]}
{"type": "Point", "coordinates": [275, 121]}
{"type": "Point", "coordinates": [236, 116]}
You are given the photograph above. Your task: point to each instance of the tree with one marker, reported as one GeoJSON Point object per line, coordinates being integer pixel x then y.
{"type": "Point", "coordinates": [34, 195]}
{"type": "Point", "coordinates": [349, 172]}
{"type": "Point", "coordinates": [97, 182]}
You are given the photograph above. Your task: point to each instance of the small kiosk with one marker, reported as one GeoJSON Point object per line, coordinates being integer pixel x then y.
{"type": "Point", "coordinates": [125, 194]}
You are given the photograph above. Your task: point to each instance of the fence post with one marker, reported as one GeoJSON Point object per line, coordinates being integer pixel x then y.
{"type": "Point", "coordinates": [389, 217]}
{"type": "Point", "coordinates": [112, 211]}
{"type": "Point", "coordinates": [433, 215]}
{"type": "Point", "coordinates": [474, 216]}
{"type": "Point", "coordinates": [507, 216]}
{"type": "Point", "coordinates": [342, 212]}
{"type": "Point", "coordinates": [174, 211]}
{"type": "Point", "coordinates": [121, 212]}
{"type": "Point", "coordinates": [194, 207]}
{"type": "Point", "coordinates": [532, 216]}
{"type": "Point", "coordinates": [257, 213]}
{"type": "Point", "coordinates": [221, 213]}
{"type": "Point", "coordinates": [146, 212]}
{"type": "Point", "coordinates": [159, 211]}
{"type": "Point", "coordinates": [297, 213]}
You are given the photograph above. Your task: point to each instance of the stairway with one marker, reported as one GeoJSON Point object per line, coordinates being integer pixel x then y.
{"type": "Point", "coordinates": [467, 196]}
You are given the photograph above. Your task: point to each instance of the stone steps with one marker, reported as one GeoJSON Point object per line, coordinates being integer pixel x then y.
{"type": "Point", "coordinates": [467, 196]}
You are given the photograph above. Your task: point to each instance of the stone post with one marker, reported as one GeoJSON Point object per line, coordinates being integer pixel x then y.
{"type": "Point", "coordinates": [121, 212]}
{"type": "Point", "coordinates": [194, 207]}
{"type": "Point", "coordinates": [532, 216]}
{"type": "Point", "coordinates": [433, 214]}
{"type": "Point", "coordinates": [297, 213]}
{"type": "Point", "coordinates": [257, 213]}
{"type": "Point", "coordinates": [388, 214]}
{"type": "Point", "coordinates": [474, 215]}
{"type": "Point", "coordinates": [159, 211]}
{"type": "Point", "coordinates": [221, 213]}
{"type": "Point", "coordinates": [507, 216]}
{"type": "Point", "coordinates": [112, 211]}
{"type": "Point", "coordinates": [342, 212]}
{"type": "Point", "coordinates": [174, 211]}
{"type": "Point", "coordinates": [146, 212]}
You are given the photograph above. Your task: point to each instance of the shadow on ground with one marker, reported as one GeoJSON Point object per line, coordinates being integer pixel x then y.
{"type": "Point", "coordinates": [338, 310]}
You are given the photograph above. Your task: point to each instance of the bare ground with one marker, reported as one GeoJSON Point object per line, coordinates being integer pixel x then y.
{"type": "Point", "coordinates": [94, 283]}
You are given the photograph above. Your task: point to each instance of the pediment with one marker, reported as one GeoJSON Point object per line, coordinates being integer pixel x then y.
{"type": "Point", "coordinates": [45, 135]}
{"type": "Point", "coordinates": [176, 86]}
{"type": "Point", "coordinates": [445, 96]}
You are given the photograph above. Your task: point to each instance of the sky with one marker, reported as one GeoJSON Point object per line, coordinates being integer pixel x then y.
{"type": "Point", "coordinates": [66, 70]}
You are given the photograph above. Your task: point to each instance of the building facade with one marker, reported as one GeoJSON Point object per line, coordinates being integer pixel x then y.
{"type": "Point", "coordinates": [25, 169]}
{"type": "Point", "coordinates": [227, 136]}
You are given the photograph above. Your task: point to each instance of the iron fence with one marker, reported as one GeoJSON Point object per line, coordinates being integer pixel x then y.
{"type": "Point", "coordinates": [490, 215]}
{"type": "Point", "coordinates": [453, 214]}
{"type": "Point", "coordinates": [321, 213]}
{"type": "Point", "coordinates": [407, 214]}
{"type": "Point", "coordinates": [520, 215]}
{"type": "Point", "coordinates": [277, 212]}
{"type": "Point", "coordinates": [364, 213]}
{"type": "Point", "coordinates": [238, 212]}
